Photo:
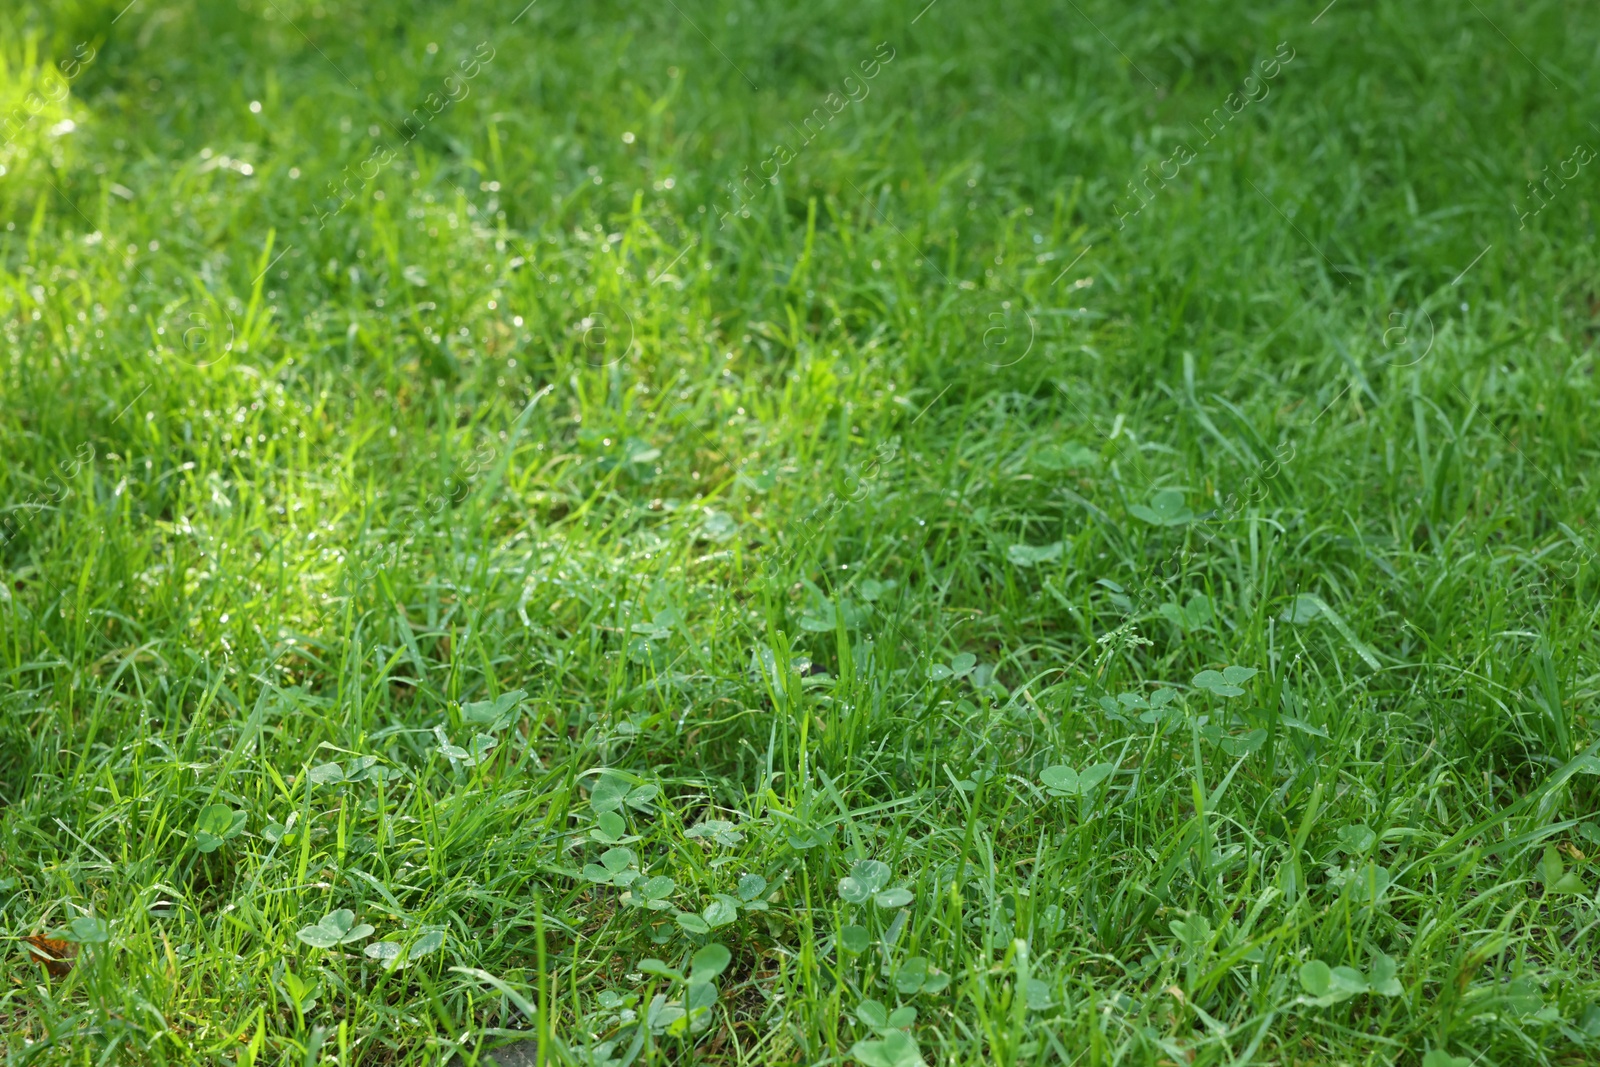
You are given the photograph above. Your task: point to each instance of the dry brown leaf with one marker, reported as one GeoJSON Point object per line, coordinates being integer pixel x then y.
{"type": "Point", "coordinates": [54, 956]}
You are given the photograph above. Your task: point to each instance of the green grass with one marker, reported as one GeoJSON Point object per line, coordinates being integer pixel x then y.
{"type": "Point", "coordinates": [853, 545]}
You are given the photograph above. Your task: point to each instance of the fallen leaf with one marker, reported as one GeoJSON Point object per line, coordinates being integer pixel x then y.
{"type": "Point", "coordinates": [54, 956]}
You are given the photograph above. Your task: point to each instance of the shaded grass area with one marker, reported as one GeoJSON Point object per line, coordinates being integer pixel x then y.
{"type": "Point", "coordinates": [1091, 565]}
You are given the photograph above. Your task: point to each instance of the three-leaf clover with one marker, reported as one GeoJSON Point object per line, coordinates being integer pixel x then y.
{"type": "Point", "coordinates": [218, 823]}
{"type": "Point", "coordinates": [1063, 781]}
{"type": "Point", "coordinates": [917, 975]}
{"type": "Point", "coordinates": [895, 1049]}
{"type": "Point", "coordinates": [650, 893]}
{"type": "Point", "coordinates": [609, 828]}
{"type": "Point", "coordinates": [496, 714]}
{"type": "Point", "coordinates": [395, 955]}
{"type": "Point", "coordinates": [960, 666]}
{"type": "Point", "coordinates": [1166, 508]}
{"type": "Point", "coordinates": [1226, 682]}
{"type": "Point", "coordinates": [1356, 838]}
{"type": "Point", "coordinates": [873, 1015]}
{"type": "Point", "coordinates": [335, 928]}
{"type": "Point", "coordinates": [700, 990]}
{"type": "Point", "coordinates": [617, 866]}
{"type": "Point", "coordinates": [359, 769]}
{"type": "Point", "coordinates": [1551, 874]}
{"type": "Point", "coordinates": [1153, 709]}
{"type": "Point", "coordinates": [1194, 931]}
{"type": "Point", "coordinates": [1188, 617]}
{"type": "Point", "coordinates": [893, 1046]}
{"type": "Point", "coordinates": [866, 881]}
{"type": "Point", "coordinates": [751, 887]}
{"type": "Point", "coordinates": [722, 910]}
{"type": "Point", "coordinates": [1331, 985]}
{"type": "Point", "coordinates": [854, 938]}
{"type": "Point", "coordinates": [87, 930]}
{"type": "Point", "coordinates": [611, 791]}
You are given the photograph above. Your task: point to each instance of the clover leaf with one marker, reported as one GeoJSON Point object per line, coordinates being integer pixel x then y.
{"type": "Point", "coordinates": [1166, 508]}
{"type": "Point", "coordinates": [1226, 682]}
{"type": "Point", "coordinates": [611, 791]}
{"type": "Point", "coordinates": [651, 893]}
{"type": "Point", "coordinates": [496, 714]}
{"type": "Point", "coordinates": [1063, 781]}
{"type": "Point", "coordinates": [960, 666]}
{"type": "Point", "coordinates": [854, 939]}
{"type": "Point", "coordinates": [218, 823]}
{"type": "Point", "coordinates": [394, 955]}
{"type": "Point", "coordinates": [335, 928]}
{"type": "Point", "coordinates": [865, 879]}
{"type": "Point", "coordinates": [87, 930]}
{"type": "Point", "coordinates": [1551, 873]}
{"type": "Point", "coordinates": [895, 1049]}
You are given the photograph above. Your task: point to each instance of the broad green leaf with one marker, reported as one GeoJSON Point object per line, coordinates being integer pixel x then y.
{"type": "Point", "coordinates": [895, 1049]}
{"type": "Point", "coordinates": [893, 898]}
{"type": "Point", "coordinates": [1093, 775]}
{"type": "Point", "coordinates": [654, 966]}
{"type": "Point", "coordinates": [1060, 781]}
{"type": "Point", "coordinates": [1244, 744]}
{"type": "Point", "coordinates": [218, 824]}
{"type": "Point", "coordinates": [609, 792]}
{"type": "Point", "coordinates": [326, 774]}
{"type": "Point", "coordinates": [386, 952]}
{"type": "Point", "coordinates": [865, 879]}
{"type": "Point", "coordinates": [335, 928]}
{"type": "Point", "coordinates": [1316, 978]}
{"type": "Point", "coordinates": [1356, 838]}
{"type": "Point", "coordinates": [1216, 682]}
{"type": "Point", "coordinates": [1028, 555]}
{"type": "Point", "coordinates": [495, 714]}
{"type": "Point", "coordinates": [88, 930]}
{"type": "Point", "coordinates": [1347, 981]}
{"type": "Point", "coordinates": [720, 912]}
{"type": "Point", "coordinates": [427, 944]}
{"type": "Point", "coordinates": [709, 962]}
{"type": "Point", "coordinates": [871, 1013]}
{"type": "Point", "coordinates": [693, 923]}
{"type": "Point", "coordinates": [854, 939]}
{"type": "Point", "coordinates": [1382, 976]}
{"type": "Point", "coordinates": [1166, 508]}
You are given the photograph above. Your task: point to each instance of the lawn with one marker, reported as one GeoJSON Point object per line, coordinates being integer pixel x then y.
{"type": "Point", "coordinates": [845, 533]}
